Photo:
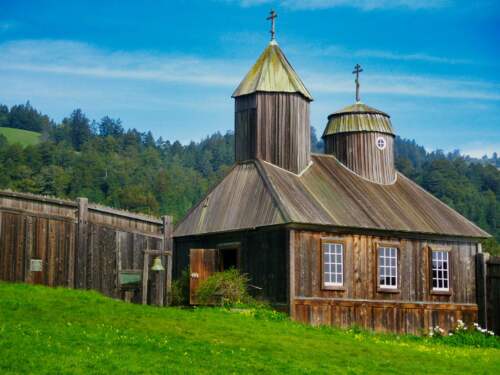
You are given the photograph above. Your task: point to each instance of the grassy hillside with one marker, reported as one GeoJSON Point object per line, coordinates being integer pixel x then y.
{"type": "Point", "coordinates": [23, 137]}
{"type": "Point", "coordinates": [46, 330]}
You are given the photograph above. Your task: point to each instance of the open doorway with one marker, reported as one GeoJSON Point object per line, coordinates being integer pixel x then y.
{"type": "Point", "coordinates": [228, 258]}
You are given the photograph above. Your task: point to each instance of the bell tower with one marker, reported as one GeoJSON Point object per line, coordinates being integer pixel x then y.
{"type": "Point", "coordinates": [362, 138]}
{"type": "Point", "coordinates": [272, 112]}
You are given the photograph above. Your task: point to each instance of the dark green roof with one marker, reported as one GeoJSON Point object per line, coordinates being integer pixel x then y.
{"type": "Point", "coordinates": [358, 117]}
{"type": "Point", "coordinates": [272, 73]}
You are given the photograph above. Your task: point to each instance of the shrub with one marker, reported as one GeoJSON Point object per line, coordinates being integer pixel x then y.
{"type": "Point", "coordinates": [224, 288]}
{"type": "Point", "coordinates": [463, 335]}
{"type": "Point", "coordinates": [180, 289]}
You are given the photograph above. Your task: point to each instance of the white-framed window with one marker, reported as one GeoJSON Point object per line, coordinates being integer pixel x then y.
{"type": "Point", "coordinates": [381, 143]}
{"type": "Point", "coordinates": [387, 267]}
{"type": "Point", "coordinates": [333, 264]}
{"type": "Point", "coordinates": [440, 271]}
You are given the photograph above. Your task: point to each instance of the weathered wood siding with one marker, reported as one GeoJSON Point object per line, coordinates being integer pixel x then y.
{"type": "Point", "coordinates": [411, 309]}
{"type": "Point", "coordinates": [23, 237]}
{"type": "Point", "coordinates": [273, 127]}
{"type": "Point", "coordinates": [80, 245]}
{"type": "Point", "coordinates": [358, 152]}
{"type": "Point", "coordinates": [262, 255]}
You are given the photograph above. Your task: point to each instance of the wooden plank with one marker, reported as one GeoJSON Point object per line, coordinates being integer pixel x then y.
{"type": "Point", "coordinates": [119, 268]}
{"type": "Point", "coordinates": [71, 251]}
{"type": "Point", "coordinates": [168, 245]}
{"type": "Point", "coordinates": [82, 244]}
{"type": "Point", "coordinates": [145, 279]}
{"type": "Point", "coordinates": [28, 248]}
{"type": "Point", "coordinates": [291, 273]}
{"type": "Point", "coordinates": [41, 250]}
{"type": "Point", "coordinates": [52, 253]}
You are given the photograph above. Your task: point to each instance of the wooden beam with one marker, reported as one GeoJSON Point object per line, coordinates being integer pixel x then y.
{"type": "Point", "coordinates": [291, 272]}
{"type": "Point", "coordinates": [81, 243]}
{"type": "Point", "coordinates": [156, 252]}
{"type": "Point", "coordinates": [481, 289]}
{"type": "Point", "coordinates": [145, 279]}
{"type": "Point", "coordinates": [168, 246]}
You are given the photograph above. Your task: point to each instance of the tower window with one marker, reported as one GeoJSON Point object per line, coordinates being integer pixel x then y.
{"type": "Point", "coordinates": [381, 143]}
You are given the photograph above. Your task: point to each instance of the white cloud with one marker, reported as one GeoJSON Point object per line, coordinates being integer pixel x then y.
{"type": "Point", "coordinates": [320, 50]}
{"type": "Point", "coordinates": [360, 4]}
{"type": "Point", "coordinates": [78, 59]}
{"type": "Point", "coordinates": [181, 96]}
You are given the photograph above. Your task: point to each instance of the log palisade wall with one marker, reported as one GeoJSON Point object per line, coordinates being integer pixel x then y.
{"type": "Point", "coordinates": [358, 151]}
{"type": "Point", "coordinates": [273, 127]}
{"type": "Point", "coordinates": [411, 309]}
{"type": "Point", "coordinates": [80, 245]}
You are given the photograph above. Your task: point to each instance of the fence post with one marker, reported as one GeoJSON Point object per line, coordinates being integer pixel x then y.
{"type": "Point", "coordinates": [168, 245]}
{"type": "Point", "coordinates": [81, 243]}
{"type": "Point", "coordinates": [481, 292]}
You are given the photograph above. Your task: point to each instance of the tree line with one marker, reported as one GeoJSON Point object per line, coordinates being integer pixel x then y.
{"type": "Point", "coordinates": [133, 170]}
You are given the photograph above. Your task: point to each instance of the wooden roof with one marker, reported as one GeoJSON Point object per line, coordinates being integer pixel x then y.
{"type": "Point", "coordinates": [272, 73]}
{"type": "Point", "coordinates": [258, 194]}
{"type": "Point", "coordinates": [358, 117]}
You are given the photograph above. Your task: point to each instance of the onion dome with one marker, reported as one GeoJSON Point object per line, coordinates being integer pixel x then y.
{"type": "Point", "coordinates": [272, 73]}
{"type": "Point", "coordinates": [358, 118]}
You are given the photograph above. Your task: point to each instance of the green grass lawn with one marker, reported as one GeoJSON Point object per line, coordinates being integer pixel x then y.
{"type": "Point", "coordinates": [23, 137]}
{"type": "Point", "coordinates": [52, 331]}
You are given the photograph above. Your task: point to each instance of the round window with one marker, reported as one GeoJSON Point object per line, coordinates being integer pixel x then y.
{"type": "Point", "coordinates": [381, 143]}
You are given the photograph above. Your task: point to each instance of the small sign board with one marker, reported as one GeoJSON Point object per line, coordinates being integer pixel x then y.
{"type": "Point", "coordinates": [130, 278]}
{"type": "Point", "coordinates": [36, 265]}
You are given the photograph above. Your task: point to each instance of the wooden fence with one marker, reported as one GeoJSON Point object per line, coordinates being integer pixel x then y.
{"type": "Point", "coordinates": [488, 291]}
{"type": "Point", "coordinates": [493, 288]}
{"type": "Point", "coordinates": [75, 244]}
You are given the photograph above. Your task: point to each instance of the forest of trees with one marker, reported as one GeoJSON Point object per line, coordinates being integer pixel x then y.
{"type": "Point", "coordinates": [132, 170]}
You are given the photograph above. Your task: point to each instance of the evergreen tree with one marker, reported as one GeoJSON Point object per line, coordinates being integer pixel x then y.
{"type": "Point", "coordinates": [132, 170]}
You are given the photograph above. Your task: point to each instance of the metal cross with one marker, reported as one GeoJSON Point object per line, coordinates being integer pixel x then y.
{"type": "Point", "coordinates": [272, 17]}
{"type": "Point", "coordinates": [357, 70]}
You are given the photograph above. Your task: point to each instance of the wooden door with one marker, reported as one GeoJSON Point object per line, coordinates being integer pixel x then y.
{"type": "Point", "coordinates": [202, 264]}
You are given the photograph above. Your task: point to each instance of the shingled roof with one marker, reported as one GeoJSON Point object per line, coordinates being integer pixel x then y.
{"type": "Point", "coordinates": [258, 194]}
{"type": "Point", "coordinates": [272, 73]}
{"type": "Point", "coordinates": [358, 117]}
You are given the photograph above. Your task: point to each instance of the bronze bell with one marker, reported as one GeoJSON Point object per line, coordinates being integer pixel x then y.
{"type": "Point", "coordinates": [157, 266]}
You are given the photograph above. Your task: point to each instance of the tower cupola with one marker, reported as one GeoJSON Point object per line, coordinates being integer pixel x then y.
{"type": "Point", "coordinates": [362, 138]}
{"type": "Point", "coordinates": [272, 112]}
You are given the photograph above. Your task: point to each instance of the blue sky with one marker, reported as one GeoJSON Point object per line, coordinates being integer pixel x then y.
{"type": "Point", "coordinates": [171, 66]}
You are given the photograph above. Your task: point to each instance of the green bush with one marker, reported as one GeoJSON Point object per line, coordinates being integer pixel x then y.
{"type": "Point", "coordinates": [465, 335]}
{"type": "Point", "coordinates": [224, 288]}
{"type": "Point", "coordinates": [180, 289]}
